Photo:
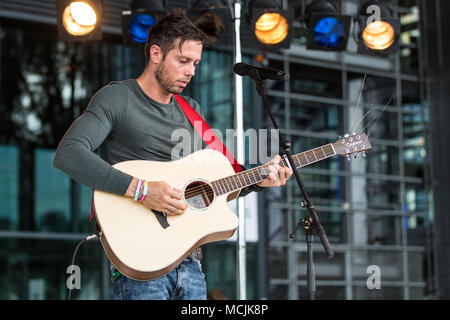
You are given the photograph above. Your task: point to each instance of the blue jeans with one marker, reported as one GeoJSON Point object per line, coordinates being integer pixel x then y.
{"type": "Point", "coordinates": [185, 282]}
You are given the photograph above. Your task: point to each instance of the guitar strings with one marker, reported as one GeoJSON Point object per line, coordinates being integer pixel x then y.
{"type": "Point", "coordinates": [199, 189]}
{"type": "Point", "coordinates": [357, 106]}
{"type": "Point", "coordinates": [206, 189]}
{"type": "Point", "coordinates": [379, 116]}
{"type": "Point", "coordinates": [362, 118]}
{"type": "Point", "coordinates": [202, 189]}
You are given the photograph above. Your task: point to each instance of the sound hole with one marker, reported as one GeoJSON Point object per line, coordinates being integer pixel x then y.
{"type": "Point", "coordinates": [199, 195]}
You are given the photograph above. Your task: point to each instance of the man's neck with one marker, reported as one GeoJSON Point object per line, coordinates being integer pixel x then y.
{"type": "Point", "coordinates": [151, 87]}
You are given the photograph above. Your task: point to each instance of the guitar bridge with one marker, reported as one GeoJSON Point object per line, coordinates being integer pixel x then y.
{"type": "Point", "coordinates": [162, 218]}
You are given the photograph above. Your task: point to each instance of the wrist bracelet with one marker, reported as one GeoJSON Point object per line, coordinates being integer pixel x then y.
{"type": "Point", "coordinates": [144, 192]}
{"type": "Point", "coordinates": [136, 194]}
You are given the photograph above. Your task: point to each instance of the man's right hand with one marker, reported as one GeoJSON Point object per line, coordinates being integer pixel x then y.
{"type": "Point", "coordinates": [160, 197]}
{"type": "Point", "coordinates": [165, 198]}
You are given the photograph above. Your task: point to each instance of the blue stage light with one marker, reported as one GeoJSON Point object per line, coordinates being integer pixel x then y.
{"type": "Point", "coordinates": [139, 25]}
{"type": "Point", "coordinates": [329, 32]}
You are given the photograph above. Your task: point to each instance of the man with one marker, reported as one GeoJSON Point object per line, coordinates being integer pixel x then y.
{"type": "Point", "coordinates": [134, 120]}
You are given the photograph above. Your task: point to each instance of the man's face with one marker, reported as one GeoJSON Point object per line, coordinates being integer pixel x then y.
{"type": "Point", "coordinates": [175, 71]}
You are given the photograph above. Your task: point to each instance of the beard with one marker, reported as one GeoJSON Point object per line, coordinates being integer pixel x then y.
{"type": "Point", "coordinates": [163, 79]}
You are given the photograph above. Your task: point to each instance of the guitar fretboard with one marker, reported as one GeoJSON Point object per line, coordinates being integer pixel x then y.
{"type": "Point", "coordinates": [249, 177]}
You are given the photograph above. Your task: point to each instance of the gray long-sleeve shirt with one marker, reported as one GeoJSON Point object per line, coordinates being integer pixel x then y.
{"type": "Point", "coordinates": [123, 123]}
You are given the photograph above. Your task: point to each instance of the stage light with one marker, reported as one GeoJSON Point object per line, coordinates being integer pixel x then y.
{"type": "Point", "coordinates": [327, 29]}
{"type": "Point", "coordinates": [141, 16]}
{"type": "Point", "coordinates": [79, 20]}
{"type": "Point", "coordinates": [214, 19]}
{"type": "Point", "coordinates": [378, 30]}
{"type": "Point", "coordinates": [270, 24]}
{"type": "Point", "coordinates": [378, 35]}
{"type": "Point", "coordinates": [271, 28]}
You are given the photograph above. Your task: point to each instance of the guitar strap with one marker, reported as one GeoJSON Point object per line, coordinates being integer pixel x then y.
{"type": "Point", "coordinates": [213, 142]}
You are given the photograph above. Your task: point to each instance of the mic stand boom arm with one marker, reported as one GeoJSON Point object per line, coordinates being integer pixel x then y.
{"type": "Point", "coordinates": [313, 220]}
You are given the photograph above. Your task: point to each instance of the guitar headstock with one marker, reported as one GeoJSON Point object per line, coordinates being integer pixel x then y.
{"type": "Point", "coordinates": [351, 144]}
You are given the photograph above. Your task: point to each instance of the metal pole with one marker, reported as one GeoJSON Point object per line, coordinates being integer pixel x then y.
{"type": "Point", "coordinates": [239, 123]}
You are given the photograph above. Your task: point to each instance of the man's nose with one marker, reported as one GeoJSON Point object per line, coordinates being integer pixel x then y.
{"type": "Point", "coordinates": [190, 70]}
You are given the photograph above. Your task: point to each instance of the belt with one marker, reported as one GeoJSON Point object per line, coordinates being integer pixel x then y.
{"type": "Point", "coordinates": [196, 254]}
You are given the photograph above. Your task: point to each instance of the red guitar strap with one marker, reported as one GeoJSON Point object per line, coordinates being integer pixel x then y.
{"type": "Point", "coordinates": [92, 205]}
{"type": "Point", "coordinates": [214, 142]}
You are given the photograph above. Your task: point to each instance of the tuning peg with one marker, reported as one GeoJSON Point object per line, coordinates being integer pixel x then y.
{"type": "Point", "coordinates": [356, 155]}
{"type": "Point", "coordinates": [348, 157]}
{"type": "Point", "coordinates": [346, 135]}
{"type": "Point", "coordinates": [364, 154]}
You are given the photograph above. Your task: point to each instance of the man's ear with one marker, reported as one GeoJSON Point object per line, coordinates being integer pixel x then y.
{"type": "Point", "coordinates": [156, 54]}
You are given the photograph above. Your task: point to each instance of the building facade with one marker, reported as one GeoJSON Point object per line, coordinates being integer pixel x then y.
{"type": "Point", "coordinates": [376, 210]}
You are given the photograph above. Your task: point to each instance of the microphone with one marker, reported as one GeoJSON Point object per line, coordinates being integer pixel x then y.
{"type": "Point", "coordinates": [259, 73]}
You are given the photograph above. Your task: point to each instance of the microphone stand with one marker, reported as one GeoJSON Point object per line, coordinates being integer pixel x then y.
{"type": "Point", "coordinates": [311, 222]}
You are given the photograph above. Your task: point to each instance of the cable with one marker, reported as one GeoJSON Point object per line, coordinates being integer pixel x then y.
{"type": "Point", "coordinates": [74, 255]}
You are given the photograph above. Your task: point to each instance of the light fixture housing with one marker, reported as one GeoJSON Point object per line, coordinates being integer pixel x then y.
{"type": "Point", "coordinates": [327, 29]}
{"type": "Point", "coordinates": [377, 34]}
{"type": "Point", "coordinates": [79, 20]}
{"type": "Point", "coordinates": [141, 16]}
{"type": "Point", "coordinates": [214, 19]}
{"type": "Point", "coordinates": [271, 26]}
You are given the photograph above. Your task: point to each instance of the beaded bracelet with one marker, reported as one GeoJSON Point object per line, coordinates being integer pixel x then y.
{"type": "Point", "coordinates": [141, 189]}
{"type": "Point", "coordinates": [144, 192]}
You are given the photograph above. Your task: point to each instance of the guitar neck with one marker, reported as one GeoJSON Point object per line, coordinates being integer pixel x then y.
{"type": "Point", "coordinates": [255, 175]}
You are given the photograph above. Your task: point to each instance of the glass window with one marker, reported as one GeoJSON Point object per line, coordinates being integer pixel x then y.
{"type": "Point", "coordinates": [384, 230]}
{"type": "Point", "coordinates": [277, 263]}
{"type": "Point", "coordinates": [212, 87]}
{"type": "Point", "coordinates": [316, 116]}
{"type": "Point", "coordinates": [390, 265]}
{"type": "Point", "coordinates": [277, 227]}
{"type": "Point", "coordinates": [414, 161]}
{"type": "Point", "coordinates": [382, 159]}
{"type": "Point", "coordinates": [417, 263]}
{"type": "Point", "coordinates": [409, 40]}
{"type": "Point", "coordinates": [323, 292]}
{"type": "Point", "coordinates": [83, 199]}
{"type": "Point", "coordinates": [52, 195]}
{"type": "Point", "coordinates": [385, 293]}
{"type": "Point", "coordinates": [36, 269]}
{"type": "Point", "coordinates": [323, 189]}
{"type": "Point", "coordinates": [333, 269]}
{"type": "Point", "coordinates": [9, 187]}
{"type": "Point", "coordinates": [415, 198]}
{"type": "Point", "coordinates": [316, 81]}
{"type": "Point", "coordinates": [381, 125]}
{"type": "Point", "coordinates": [383, 194]}
{"type": "Point", "coordinates": [417, 294]}
{"type": "Point", "coordinates": [219, 266]}
{"type": "Point", "coordinates": [278, 292]}
{"type": "Point", "coordinates": [411, 99]}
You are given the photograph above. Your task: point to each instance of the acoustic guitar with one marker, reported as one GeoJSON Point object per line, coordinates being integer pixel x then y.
{"type": "Point", "coordinates": [146, 244]}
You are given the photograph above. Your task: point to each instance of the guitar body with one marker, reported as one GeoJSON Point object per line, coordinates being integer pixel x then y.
{"type": "Point", "coordinates": [133, 238]}
{"type": "Point", "coordinates": [145, 244]}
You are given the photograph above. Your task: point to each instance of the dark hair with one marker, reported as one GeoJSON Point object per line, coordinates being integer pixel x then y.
{"type": "Point", "coordinates": [174, 25]}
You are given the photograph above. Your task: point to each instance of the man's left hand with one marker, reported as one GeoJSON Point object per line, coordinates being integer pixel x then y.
{"type": "Point", "coordinates": [278, 175]}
